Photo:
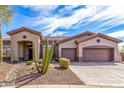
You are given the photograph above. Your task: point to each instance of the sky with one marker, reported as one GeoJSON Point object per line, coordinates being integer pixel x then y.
{"type": "Point", "coordinates": [68, 20]}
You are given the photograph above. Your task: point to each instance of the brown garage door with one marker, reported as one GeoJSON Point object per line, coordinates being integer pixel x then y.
{"type": "Point", "coordinates": [98, 54]}
{"type": "Point", "coordinates": [69, 53]}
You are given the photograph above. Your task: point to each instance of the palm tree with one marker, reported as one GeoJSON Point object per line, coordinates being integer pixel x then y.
{"type": "Point", "coordinates": [5, 16]}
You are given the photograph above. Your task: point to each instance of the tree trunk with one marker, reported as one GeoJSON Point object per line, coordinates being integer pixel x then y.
{"type": "Point", "coordinates": [1, 44]}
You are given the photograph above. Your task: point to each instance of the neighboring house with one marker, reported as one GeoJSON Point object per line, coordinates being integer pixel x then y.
{"type": "Point", "coordinates": [86, 46]}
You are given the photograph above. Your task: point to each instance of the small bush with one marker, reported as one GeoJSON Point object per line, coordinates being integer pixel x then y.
{"type": "Point", "coordinates": [33, 66]}
{"type": "Point", "coordinates": [64, 63]}
{"type": "Point", "coordinates": [121, 51]}
{"type": "Point", "coordinates": [29, 62]}
{"type": "Point", "coordinates": [51, 66]}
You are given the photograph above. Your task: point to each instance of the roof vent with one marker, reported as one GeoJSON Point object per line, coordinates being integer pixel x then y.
{"type": "Point", "coordinates": [98, 40]}
{"type": "Point", "coordinates": [24, 36]}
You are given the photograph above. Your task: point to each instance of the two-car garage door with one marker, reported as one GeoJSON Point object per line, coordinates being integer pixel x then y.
{"type": "Point", "coordinates": [90, 54]}
{"type": "Point", "coordinates": [98, 54]}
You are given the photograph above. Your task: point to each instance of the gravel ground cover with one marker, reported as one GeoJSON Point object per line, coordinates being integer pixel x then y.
{"type": "Point", "coordinates": [4, 70]}
{"type": "Point", "coordinates": [56, 75]}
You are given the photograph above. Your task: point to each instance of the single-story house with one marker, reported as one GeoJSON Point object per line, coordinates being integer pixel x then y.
{"type": "Point", "coordinates": [86, 46]}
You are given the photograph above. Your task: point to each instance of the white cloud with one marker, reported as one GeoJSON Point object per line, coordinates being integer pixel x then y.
{"type": "Point", "coordinates": [114, 15]}
{"type": "Point", "coordinates": [66, 22]}
{"type": "Point", "coordinates": [107, 17]}
{"type": "Point", "coordinates": [121, 45]}
{"type": "Point", "coordinates": [44, 10]}
{"type": "Point", "coordinates": [117, 34]}
{"type": "Point", "coordinates": [67, 9]}
{"type": "Point", "coordinates": [58, 33]}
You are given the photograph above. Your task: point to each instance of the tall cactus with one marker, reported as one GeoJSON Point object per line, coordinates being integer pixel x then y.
{"type": "Point", "coordinates": [47, 57]}
{"type": "Point", "coordinates": [34, 59]}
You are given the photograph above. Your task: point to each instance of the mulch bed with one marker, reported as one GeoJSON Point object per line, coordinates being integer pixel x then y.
{"type": "Point", "coordinates": [27, 76]}
{"type": "Point", "coordinates": [4, 69]}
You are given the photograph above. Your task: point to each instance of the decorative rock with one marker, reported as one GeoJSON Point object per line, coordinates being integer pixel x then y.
{"type": "Point", "coordinates": [10, 78]}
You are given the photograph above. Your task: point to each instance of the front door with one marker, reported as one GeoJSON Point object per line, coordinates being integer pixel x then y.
{"type": "Point", "coordinates": [30, 54]}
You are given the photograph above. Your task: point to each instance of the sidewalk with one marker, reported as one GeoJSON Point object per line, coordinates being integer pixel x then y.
{"type": "Point", "coordinates": [47, 86]}
{"type": "Point", "coordinates": [52, 86]}
{"type": "Point", "coordinates": [69, 86]}
{"type": "Point", "coordinates": [63, 86]}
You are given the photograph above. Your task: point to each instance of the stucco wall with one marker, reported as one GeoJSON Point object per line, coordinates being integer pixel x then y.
{"type": "Point", "coordinates": [19, 37]}
{"type": "Point", "coordinates": [68, 44]}
{"type": "Point", "coordinates": [91, 42]}
{"type": "Point", "coordinates": [103, 42]}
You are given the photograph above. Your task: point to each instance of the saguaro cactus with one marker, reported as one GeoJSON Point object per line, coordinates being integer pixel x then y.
{"type": "Point", "coordinates": [35, 60]}
{"type": "Point", "coordinates": [47, 57]}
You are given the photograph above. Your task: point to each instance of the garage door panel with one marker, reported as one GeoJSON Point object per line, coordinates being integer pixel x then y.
{"type": "Point", "coordinates": [97, 54]}
{"type": "Point", "coordinates": [69, 53]}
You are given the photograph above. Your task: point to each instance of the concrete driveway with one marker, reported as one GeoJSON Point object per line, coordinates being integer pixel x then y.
{"type": "Point", "coordinates": [101, 74]}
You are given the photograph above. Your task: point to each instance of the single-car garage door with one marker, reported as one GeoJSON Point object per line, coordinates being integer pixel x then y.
{"type": "Point", "coordinates": [98, 54]}
{"type": "Point", "coordinates": [69, 53]}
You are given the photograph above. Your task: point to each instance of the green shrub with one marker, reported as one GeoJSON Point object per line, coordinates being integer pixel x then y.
{"type": "Point", "coordinates": [64, 63]}
{"type": "Point", "coordinates": [121, 51]}
{"type": "Point", "coordinates": [29, 62]}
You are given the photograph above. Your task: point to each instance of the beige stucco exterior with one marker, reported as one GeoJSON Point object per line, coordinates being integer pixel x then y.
{"type": "Point", "coordinates": [104, 42]}
{"type": "Point", "coordinates": [15, 38]}
{"type": "Point", "coordinates": [68, 44]}
{"type": "Point", "coordinates": [91, 42]}
{"type": "Point", "coordinates": [79, 42]}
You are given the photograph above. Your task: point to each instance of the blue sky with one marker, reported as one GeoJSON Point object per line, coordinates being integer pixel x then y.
{"type": "Point", "coordinates": [66, 20]}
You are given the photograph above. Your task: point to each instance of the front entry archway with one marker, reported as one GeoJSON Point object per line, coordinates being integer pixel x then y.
{"type": "Point", "coordinates": [25, 50]}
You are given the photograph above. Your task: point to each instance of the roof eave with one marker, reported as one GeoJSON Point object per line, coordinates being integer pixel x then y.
{"type": "Point", "coordinates": [101, 35]}
{"type": "Point", "coordinates": [75, 36]}
{"type": "Point", "coordinates": [25, 28]}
